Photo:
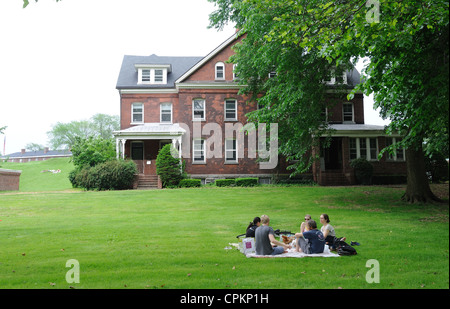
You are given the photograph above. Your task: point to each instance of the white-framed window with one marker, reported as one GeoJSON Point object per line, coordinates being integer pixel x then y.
{"type": "Point", "coordinates": [198, 151]}
{"type": "Point", "coordinates": [165, 112]}
{"type": "Point", "coordinates": [220, 71]}
{"type": "Point", "coordinates": [230, 109]}
{"type": "Point", "coordinates": [230, 151]}
{"type": "Point", "coordinates": [159, 76]}
{"type": "Point", "coordinates": [150, 76]}
{"type": "Point", "coordinates": [332, 79]}
{"type": "Point", "coordinates": [399, 153]}
{"type": "Point", "coordinates": [146, 73]}
{"type": "Point", "coordinates": [137, 113]}
{"type": "Point", "coordinates": [235, 75]}
{"type": "Point", "coordinates": [364, 147]}
{"type": "Point", "coordinates": [348, 114]}
{"type": "Point", "coordinates": [198, 109]}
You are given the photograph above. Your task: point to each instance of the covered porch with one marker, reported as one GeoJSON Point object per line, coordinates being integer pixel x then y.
{"type": "Point", "coordinates": [348, 141]}
{"type": "Point", "coordinates": [142, 144]}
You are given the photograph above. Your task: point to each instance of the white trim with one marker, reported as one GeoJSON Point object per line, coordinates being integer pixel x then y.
{"type": "Point", "coordinates": [393, 157]}
{"type": "Point", "coordinates": [138, 66]}
{"type": "Point", "coordinates": [225, 110]}
{"type": "Point", "coordinates": [211, 85]}
{"type": "Point", "coordinates": [171, 113]}
{"type": "Point", "coordinates": [203, 150]}
{"type": "Point", "coordinates": [219, 64]}
{"type": "Point", "coordinates": [367, 148]}
{"type": "Point", "coordinates": [207, 58]}
{"type": "Point", "coordinates": [204, 109]}
{"type": "Point", "coordinates": [152, 76]}
{"type": "Point", "coordinates": [132, 113]}
{"type": "Point", "coordinates": [230, 161]}
{"type": "Point", "coordinates": [148, 91]}
{"type": "Point", "coordinates": [353, 113]}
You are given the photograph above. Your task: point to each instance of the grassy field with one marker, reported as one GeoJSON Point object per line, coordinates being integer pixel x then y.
{"type": "Point", "coordinates": [171, 239]}
{"type": "Point", "coordinates": [36, 176]}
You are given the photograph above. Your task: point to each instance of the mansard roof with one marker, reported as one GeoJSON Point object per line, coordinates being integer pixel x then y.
{"type": "Point", "coordinates": [182, 68]}
{"type": "Point", "coordinates": [128, 77]}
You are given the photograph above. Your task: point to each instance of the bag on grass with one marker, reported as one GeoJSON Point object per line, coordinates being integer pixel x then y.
{"type": "Point", "coordinates": [344, 248]}
{"type": "Point", "coordinates": [248, 245]}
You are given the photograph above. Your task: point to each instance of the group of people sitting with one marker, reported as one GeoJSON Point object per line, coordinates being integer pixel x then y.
{"type": "Point", "coordinates": [310, 240]}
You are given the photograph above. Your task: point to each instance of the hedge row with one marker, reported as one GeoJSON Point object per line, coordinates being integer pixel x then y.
{"type": "Point", "coordinates": [190, 183]}
{"type": "Point", "coordinates": [111, 175]}
{"type": "Point", "coordinates": [239, 182]}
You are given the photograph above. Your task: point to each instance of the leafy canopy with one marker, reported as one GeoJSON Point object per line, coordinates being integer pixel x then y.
{"type": "Point", "coordinates": [405, 41]}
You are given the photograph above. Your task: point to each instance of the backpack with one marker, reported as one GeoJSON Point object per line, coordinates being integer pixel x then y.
{"type": "Point", "coordinates": [344, 248]}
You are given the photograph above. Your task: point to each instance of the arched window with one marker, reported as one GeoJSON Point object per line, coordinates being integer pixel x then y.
{"type": "Point", "coordinates": [220, 71]}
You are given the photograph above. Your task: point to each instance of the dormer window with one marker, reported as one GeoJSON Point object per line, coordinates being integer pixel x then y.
{"type": "Point", "coordinates": [220, 71]}
{"type": "Point", "coordinates": [151, 74]}
{"type": "Point", "coordinates": [340, 79]}
{"type": "Point", "coordinates": [145, 75]}
{"type": "Point", "coordinates": [159, 76]}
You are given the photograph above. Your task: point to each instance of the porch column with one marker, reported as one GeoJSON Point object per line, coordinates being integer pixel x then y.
{"type": "Point", "coordinates": [123, 141]}
{"type": "Point", "coordinates": [117, 148]}
{"type": "Point", "coordinates": [177, 142]}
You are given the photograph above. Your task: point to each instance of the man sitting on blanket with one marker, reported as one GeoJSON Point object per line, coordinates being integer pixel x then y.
{"type": "Point", "coordinates": [264, 236]}
{"type": "Point", "coordinates": [311, 241]}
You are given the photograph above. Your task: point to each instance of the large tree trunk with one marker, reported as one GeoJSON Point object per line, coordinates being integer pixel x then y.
{"type": "Point", "coordinates": [418, 187]}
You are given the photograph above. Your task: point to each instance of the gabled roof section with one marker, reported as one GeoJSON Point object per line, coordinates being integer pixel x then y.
{"type": "Point", "coordinates": [128, 76]}
{"type": "Point", "coordinates": [206, 58]}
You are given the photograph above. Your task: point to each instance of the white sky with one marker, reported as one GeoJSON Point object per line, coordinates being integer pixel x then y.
{"type": "Point", "coordinates": [59, 62]}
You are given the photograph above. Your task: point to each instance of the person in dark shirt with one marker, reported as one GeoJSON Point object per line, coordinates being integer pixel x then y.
{"type": "Point", "coordinates": [311, 241]}
{"type": "Point", "coordinates": [250, 232]}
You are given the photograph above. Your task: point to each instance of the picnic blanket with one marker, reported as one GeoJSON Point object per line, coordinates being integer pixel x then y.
{"type": "Point", "coordinates": [290, 254]}
{"type": "Point", "coordinates": [293, 254]}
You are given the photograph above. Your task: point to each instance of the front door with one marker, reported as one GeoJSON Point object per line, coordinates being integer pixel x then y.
{"type": "Point", "coordinates": [333, 155]}
{"type": "Point", "coordinates": [137, 155]}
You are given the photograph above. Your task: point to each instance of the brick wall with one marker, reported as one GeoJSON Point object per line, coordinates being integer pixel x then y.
{"type": "Point", "coordinates": [9, 180]}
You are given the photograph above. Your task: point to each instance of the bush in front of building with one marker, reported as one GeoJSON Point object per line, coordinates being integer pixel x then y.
{"type": "Point", "coordinates": [168, 167]}
{"type": "Point", "coordinates": [190, 183]}
{"type": "Point", "coordinates": [246, 182]}
{"type": "Point", "coordinates": [225, 182]}
{"type": "Point", "coordinates": [110, 175]}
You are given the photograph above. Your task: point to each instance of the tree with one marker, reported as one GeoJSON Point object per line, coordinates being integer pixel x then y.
{"type": "Point", "coordinates": [92, 151]}
{"type": "Point", "coordinates": [34, 147]}
{"type": "Point", "coordinates": [295, 94]}
{"type": "Point", "coordinates": [406, 42]}
{"type": "Point", "coordinates": [63, 135]}
{"type": "Point", "coordinates": [168, 166]}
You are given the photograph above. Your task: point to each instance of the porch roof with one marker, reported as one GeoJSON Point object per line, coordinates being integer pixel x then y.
{"type": "Point", "coordinates": [151, 131]}
{"type": "Point", "coordinates": [359, 130]}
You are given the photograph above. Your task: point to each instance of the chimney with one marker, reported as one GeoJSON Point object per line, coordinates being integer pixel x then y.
{"type": "Point", "coordinates": [22, 151]}
{"type": "Point", "coordinates": [45, 149]}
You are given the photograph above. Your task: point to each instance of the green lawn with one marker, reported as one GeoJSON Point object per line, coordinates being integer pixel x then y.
{"type": "Point", "coordinates": [35, 175]}
{"type": "Point", "coordinates": [170, 239]}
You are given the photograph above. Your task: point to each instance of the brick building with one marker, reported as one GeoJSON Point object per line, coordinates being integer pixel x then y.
{"type": "Point", "coordinates": [187, 100]}
{"type": "Point", "coordinates": [40, 155]}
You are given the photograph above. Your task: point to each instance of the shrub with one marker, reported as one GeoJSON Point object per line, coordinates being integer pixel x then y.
{"type": "Point", "coordinates": [363, 170]}
{"type": "Point", "coordinates": [168, 166]}
{"type": "Point", "coordinates": [246, 182]}
{"type": "Point", "coordinates": [111, 175]}
{"type": "Point", "coordinates": [190, 183]}
{"type": "Point", "coordinates": [224, 182]}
